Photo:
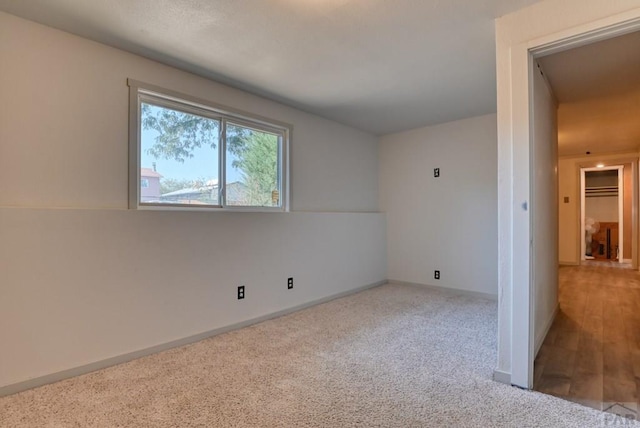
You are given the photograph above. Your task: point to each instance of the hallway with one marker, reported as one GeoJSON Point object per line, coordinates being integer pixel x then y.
{"type": "Point", "coordinates": [592, 352]}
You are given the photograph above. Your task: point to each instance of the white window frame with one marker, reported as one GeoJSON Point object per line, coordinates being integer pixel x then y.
{"type": "Point", "coordinates": [142, 92]}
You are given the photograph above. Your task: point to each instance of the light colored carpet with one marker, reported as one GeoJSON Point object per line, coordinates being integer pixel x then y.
{"type": "Point", "coordinates": [393, 356]}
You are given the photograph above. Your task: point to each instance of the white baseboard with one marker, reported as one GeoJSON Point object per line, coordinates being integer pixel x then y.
{"type": "Point", "coordinates": [502, 377]}
{"type": "Point", "coordinates": [102, 364]}
{"type": "Point", "coordinates": [449, 289]}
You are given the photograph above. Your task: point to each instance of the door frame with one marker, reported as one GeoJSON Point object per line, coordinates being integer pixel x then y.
{"type": "Point", "coordinates": [583, 200]}
{"type": "Point", "coordinates": [518, 248]}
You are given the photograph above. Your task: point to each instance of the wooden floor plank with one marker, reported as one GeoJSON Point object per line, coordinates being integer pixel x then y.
{"type": "Point", "coordinates": [560, 363]}
{"type": "Point", "coordinates": [587, 389]}
{"type": "Point", "coordinates": [589, 358]}
{"type": "Point", "coordinates": [619, 391]}
{"type": "Point", "coordinates": [592, 352]}
{"type": "Point", "coordinates": [618, 364]}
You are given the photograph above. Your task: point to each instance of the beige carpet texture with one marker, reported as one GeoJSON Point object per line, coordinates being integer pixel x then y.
{"type": "Point", "coordinates": [392, 356]}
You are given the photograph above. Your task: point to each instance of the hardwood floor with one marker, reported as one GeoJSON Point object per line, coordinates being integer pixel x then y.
{"type": "Point", "coordinates": [592, 352]}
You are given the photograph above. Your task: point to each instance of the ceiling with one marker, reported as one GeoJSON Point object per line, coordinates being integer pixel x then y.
{"type": "Point", "coordinates": [598, 90]}
{"type": "Point", "coordinates": [378, 65]}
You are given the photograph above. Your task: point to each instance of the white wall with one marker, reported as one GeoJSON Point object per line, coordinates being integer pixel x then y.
{"type": "Point", "coordinates": [544, 207]}
{"type": "Point", "coordinates": [85, 279]}
{"type": "Point", "coordinates": [446, 223]}
{"type": "Point", "coordinates": [541, 24]}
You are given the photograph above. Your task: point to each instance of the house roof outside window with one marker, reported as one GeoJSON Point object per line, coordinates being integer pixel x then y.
{"type": "Point", "coordinates": [148, 172]}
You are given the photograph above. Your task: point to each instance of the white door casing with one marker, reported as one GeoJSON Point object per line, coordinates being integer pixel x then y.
{"type": "Point", "coordinates": [514, 189]}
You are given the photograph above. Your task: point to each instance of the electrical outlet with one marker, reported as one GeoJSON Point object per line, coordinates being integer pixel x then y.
{"type": "Point", "coordinates": [241, 292]}
{"type": "Point", "coordinates": [436, 274]}
{"type": "Point", "coordinates": [436, 172]}
{"type": "Point", "coordinates": [290, 283]}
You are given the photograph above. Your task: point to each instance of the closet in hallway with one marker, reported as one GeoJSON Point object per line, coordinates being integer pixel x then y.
{"type": "Point", "coordinates": [603, 209]}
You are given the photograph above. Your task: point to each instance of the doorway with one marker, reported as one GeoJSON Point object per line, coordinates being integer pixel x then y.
{"type": "Point", "coordinates": [517, 45]}
{"type": "Point", "coordinates": [602, 214]}
{"type": "Point", "coordinates": [588, 353]}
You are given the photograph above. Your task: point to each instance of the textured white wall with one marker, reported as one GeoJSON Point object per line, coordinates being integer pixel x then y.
{"type": "Point", "coordinates": [79, 286]}
{"type": "Point", "coordinates": [84, 279]}
{"type": "Point", "coordinates": [447, 223]}
{"type": "Point", "coordinates": [515, 34]}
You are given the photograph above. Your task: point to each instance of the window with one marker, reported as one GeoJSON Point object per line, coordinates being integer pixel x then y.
{"type": "Point", "coordinates": [191, 153]}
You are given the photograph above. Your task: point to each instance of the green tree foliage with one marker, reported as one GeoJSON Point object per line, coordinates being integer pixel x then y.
{"type": "Point", "coordinates": [257, 160]}
{"type": "Point", "coordinates": [255, 153]}
{"type": "Point", "coordinates": [178, 133]}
